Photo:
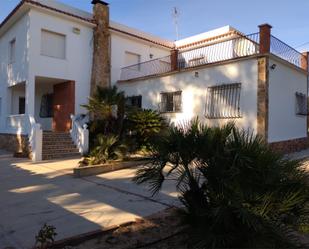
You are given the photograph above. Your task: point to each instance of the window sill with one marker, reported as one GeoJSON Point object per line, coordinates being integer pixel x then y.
{"type": "Point", "coordinates": [238, 117]}
{"type": "Point", "coordinates": [49, 56]}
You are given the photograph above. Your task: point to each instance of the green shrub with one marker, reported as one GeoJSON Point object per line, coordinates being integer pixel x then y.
{"type": "Point", "coordinates": [237, 192]}
{"type": "Point", "coordinates": [144, 125]}
{"type": "Point", "coordinates": [107, 147]}
{"type": "Point", "coordinates": [45, 237]}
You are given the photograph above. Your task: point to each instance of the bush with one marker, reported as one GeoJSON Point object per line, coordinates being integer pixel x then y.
{"type": "Point", "coordinates": [144, 125]}
{"type": "Point", "coordinates": [107, 147]}
{"type": "Point", "coordinates": [237, 192]}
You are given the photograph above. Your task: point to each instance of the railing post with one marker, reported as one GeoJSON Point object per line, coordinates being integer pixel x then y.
{"type": "Point", "coordinates": [304, 61]}
{"type": "Point", "coordinates": [265, 37]}
{"type": "Point", "coordinates": [174, 60]}
{"type": "Point", "coordinates": [85, 139]}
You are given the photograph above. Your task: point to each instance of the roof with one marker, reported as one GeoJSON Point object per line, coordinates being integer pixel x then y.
{"type": "Point", "coordinates": [200, 39]}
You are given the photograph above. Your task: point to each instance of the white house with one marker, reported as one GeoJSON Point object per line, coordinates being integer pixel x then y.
{"type": "Point", "coordinates": [52, 56]}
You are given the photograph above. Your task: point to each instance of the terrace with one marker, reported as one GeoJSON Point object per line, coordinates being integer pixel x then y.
{"type": "Point", "coordinates": [237, 46]}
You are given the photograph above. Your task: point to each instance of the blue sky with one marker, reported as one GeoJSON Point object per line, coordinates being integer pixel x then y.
{"type": "Point", "coordinates": [289, 18]}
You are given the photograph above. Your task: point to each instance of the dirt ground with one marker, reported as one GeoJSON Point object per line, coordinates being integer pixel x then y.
{"type": "Point", "coordinates": [160, 231]}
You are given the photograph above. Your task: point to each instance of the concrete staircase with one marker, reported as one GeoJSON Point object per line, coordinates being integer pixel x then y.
{"type": "Point", "coordinates": [57, 145]}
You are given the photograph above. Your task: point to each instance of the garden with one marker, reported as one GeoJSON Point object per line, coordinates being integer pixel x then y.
{"type": "Point", "coordinates": [236, 192]}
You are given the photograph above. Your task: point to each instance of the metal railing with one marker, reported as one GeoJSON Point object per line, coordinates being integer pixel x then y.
{"type": "Point", "coordinates": [237, 47]}
{"type": "Point", "coordinates": [221, 51]}
{"type": "Point", "coordinates": [285, 52]}
{"type": "Point", "coordinates": [148, 68]}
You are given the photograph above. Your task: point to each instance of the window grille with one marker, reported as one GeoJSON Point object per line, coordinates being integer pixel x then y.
{"type": "Point", "coordinates": [223, 101]}
{"type": "Point", "coordinates": [301, 104]}
{"type": "Point", "coordinates": [171, 102]}
{"type": "Point", "coordinates": [134, 101]}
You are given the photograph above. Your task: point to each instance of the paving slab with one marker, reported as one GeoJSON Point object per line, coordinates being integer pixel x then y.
{"type": "Point", "coordinates": [34, 194]}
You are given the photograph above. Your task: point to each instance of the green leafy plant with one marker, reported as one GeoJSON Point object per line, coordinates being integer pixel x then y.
{"type": "Point", "coordinates": [144, 125]}
{"type": "Point", "coordinates": [45, 237]}
{"type": "Point", "coordinates": [236, 191]}
{"type": "Point", "coordinates": [107, 147]}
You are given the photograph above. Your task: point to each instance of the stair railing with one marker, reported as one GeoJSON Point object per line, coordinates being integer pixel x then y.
{"type": "Point", "coordinates": [80, 134]}
{"type": "Point", "coordinates": [35, 139]}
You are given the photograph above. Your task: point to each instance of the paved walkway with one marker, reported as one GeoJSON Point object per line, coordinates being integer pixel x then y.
{"type": "Point", "coordinates": [32, 194]}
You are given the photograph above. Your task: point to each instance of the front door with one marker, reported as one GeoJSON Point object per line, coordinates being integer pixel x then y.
{"type": "Point", "coordinates": [64, 106]}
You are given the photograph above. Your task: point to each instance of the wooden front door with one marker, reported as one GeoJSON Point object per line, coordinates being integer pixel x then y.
{"type": "Point", "coordinates": [63, 106]}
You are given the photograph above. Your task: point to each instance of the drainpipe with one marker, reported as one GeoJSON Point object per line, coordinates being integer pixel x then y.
{"type": "Point", "coordinates": [101, 65]}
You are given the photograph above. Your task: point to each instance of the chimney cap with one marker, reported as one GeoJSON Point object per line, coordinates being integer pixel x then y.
{"type": "Point", "coordinates": [265, 25]}
{"type": "Point", "coordinates": [99, 1]}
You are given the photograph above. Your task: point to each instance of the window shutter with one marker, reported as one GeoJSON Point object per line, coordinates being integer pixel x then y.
{"type": "Point", "coordinates": [53, 44]}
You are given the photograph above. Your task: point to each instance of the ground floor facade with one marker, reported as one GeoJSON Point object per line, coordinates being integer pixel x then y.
{"type": "Point", "coordinates": [262, 94]}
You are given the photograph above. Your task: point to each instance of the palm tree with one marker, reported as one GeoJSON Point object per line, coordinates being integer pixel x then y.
{"type": "Point", "coordinates": [237, 192]}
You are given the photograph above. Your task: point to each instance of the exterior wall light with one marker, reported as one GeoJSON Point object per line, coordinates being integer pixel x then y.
{"type": "Point", "coordinates": [196, 74]}
{"type": "Point", "coordinates": [273, 66]}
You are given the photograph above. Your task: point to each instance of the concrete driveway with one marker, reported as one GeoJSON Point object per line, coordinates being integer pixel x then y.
{"type": "Point", "coordinates": [34, 194]}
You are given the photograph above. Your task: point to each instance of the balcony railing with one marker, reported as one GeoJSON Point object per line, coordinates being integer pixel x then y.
{"type": "Point", "coordinates": [238, 47]}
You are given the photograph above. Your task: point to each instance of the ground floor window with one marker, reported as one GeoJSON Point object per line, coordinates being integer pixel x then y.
{"type": "Point", "coordinates": [223, 101]}
{"type": "Point", "coordinates": [301, 104]}
{"type": "Point", "coordinates": [135, 101]}
{"type": "Point", "coordinates": [171, 102]}
{"type": "Point", "coordinates": [46, 109]}
{"type": "Point", "coordinates": [22, 105]}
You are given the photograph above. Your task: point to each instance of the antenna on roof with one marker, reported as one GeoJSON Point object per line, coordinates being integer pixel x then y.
{"type": "Point", "coordinates": [175, 18]}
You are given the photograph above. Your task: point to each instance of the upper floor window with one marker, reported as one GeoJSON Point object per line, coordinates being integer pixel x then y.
{"type": "Point", "coordinates": [132, 59]}
{"type": "Point", "coordinates": [301, 104]}
{"type": "Point", "coordinates": [12, 51]}
{"type": "Point", "coordinates": [223, 101]}
{"type": "Point", "coordinates": [53, 44]}
{"type": "Point", "coordinates": [171, 102]}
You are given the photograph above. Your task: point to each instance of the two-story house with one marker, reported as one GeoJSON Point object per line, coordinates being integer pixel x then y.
{"type": "Point", "coordinates": [52, 56]}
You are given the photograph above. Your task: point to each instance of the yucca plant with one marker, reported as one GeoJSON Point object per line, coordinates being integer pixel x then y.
{"type": "Point", "coordinates": [236, 191]}
{"type": "Point", "coordinates": [107, 147]}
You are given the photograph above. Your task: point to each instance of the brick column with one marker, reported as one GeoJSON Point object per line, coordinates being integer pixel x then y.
{"type": "Point", "coordinates": [265, 35]}
{"type": "Point", "coordinates": [262, 97]}
{"type": "Point", "coordinates": [304, 61]}
{"type": "Point", "coordinates": [174, 60]}
{"type": "Point", "coordinates": [101, 64]}
{"type": "Point", "coordinates": [304, 65]}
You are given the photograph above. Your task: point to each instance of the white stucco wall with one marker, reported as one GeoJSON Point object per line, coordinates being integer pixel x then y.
{"type": "Point", "coordinates": [194, 91]}
{"type": "Point", "coordinates": [123, 43]}
{"type": "Point", "coordinates": [78, 60]}
{"type": "Point", "coordinates": [17, 72]}
{"type": "Point", "coordinates": [284, 82]}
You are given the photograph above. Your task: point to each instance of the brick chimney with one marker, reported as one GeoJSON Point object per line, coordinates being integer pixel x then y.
{"type": "Point", "coordinates": [101, 47]}
{"type": "Point", "coordinates": [265, 35]}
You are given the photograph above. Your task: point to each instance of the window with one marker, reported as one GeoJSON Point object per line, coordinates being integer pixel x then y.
{"type": "Point", "coordinates": [301, 104]}
{"type": "Point", "coordinates": [223, 101]}
{"type": "Point", "coordinates": [12, 51]}
{"type": "Point", "coordinates": [132, 59]}
{"type": "Point", "coordinates": [22, 105]}
{"type": "Point", "coordinates": [171, 102]}
{"type": "Point", "coordinates": [46, 109]}
{"type": "Point", "coordinates": [135, 101]}
{"type": "Point", "coordinates": [52, 44]}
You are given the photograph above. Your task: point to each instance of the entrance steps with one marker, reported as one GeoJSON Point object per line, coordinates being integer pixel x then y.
{"type": "Point", "coordinates": [57, 145]}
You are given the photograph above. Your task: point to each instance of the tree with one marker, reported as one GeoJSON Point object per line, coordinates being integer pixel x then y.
{"type": "Point", "coordinates": [237, 192]}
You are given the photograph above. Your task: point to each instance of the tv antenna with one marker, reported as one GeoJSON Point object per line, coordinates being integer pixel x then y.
{"type": "Point", "coordinates": [175, 18]}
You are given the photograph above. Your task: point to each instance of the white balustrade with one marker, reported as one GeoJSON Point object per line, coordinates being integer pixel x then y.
{"type": "Point", "coordinates": [80, 134]}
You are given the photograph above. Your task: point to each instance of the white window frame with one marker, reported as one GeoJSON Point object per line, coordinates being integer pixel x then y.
{"type": "Point", "coordinates": [65, 45]}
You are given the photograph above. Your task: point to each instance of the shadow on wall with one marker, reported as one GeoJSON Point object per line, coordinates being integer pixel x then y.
{"type": "Point", "coordinates": [194, 88]}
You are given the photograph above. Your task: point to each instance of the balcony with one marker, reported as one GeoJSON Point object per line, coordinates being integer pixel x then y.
{"type": "Point", "coordinates": [239, 47]}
